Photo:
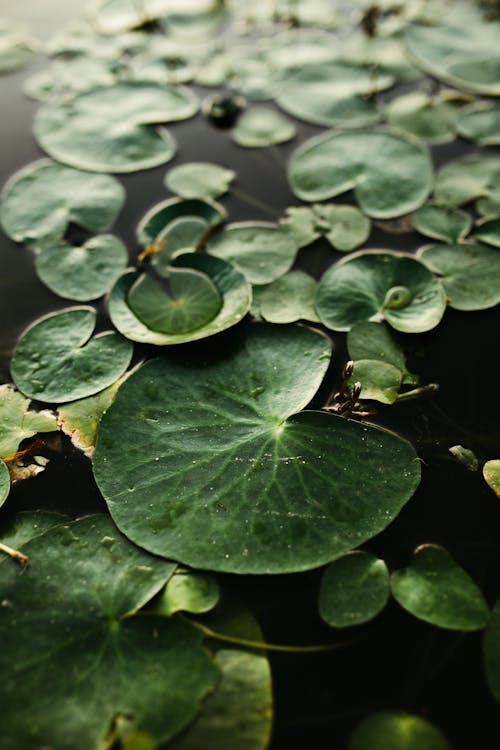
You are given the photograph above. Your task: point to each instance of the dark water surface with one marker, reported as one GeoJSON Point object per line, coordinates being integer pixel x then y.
{"type": "Point", "coordinates": [395, 662]}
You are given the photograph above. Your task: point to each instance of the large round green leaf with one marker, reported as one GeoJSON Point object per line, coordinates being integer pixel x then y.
{"type": "Point", "coordinates": [463, 52]}
{"type": "Point", "coordinates": [82, 273]}
{"type": "Point", "coordinates": [434, 588]}
{"type": "Point", "coordinates": [199, 180]}
{"type": "Point", "coordinates": [260, 250]}
{"type": "Point", "coordinates": [390, 175]}
{"type": "Point", "coordinates": [179, 301]}
{"type": "Point", "coordinates": [112, 129]}
{"type": "Point", "coordinates": [469, 274]}
{"type": "Point", "coordinates": [396, 730]}
{"type": "Point", "coordinates": [40, 200]}
{"type": "Point", "coordinates": [332, 93]}
{"type": "Point", "coordinates": [56, 359]}
{"type": "Point", "coordinates": [235, 479]}
{"type": "Point", "coordinates": [72, 613]}
{"type": "Point", "coordinates": [380, 286]}
{"type": "Point", "coordinates": [354, 589]}
{"type": "Point", "coordinates": [234, 290]}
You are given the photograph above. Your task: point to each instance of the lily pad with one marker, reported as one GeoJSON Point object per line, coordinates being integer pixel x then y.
{"type": "Point", "coordinates": [376, 341]}
{"type": "Point", "coordinates": [56, 359]}
{"type": "Point", "coordinates": [114, 128]}
{"type": "Point", "coordinates": [380, 286]}
{"type": "Point", "coordinates": [288, 299]}
{"type": "Point", "coordinates": [83, 588]}
{"type": "Point", "coordinates": [18, 422]}
{"type": "Point", "coordinates": [176, 226]}
{"type": "Point", "coordinates": [369, 162]}
{"type": "Point", "coordinates": [354, 589]}
{"type": "Point", "coordinates": [188, 591]}
{"type": "Point", "coordinates": [311, 485]}
{"type": "Point", "coordinates": [481, 123]}
{"type": "Point", "coordinates": [262, 126]}
{"type": "Point", "coordinates": [178, 301]}
{"type": "Point", "coordinates": [348, 226]}
{"type": "Point", "coordinates": [302, 223]}
{"type": "Point", "coordinates": [332, 93]}
{"type": "Point", "coordinates": [489, 232]}
{"type": "Point", "coordinates": [231, 285]}
{"type": "Point", "coordinates": [42, 199]}
{"type": "Point", "coordinates": [199, 180]}
{"type": "Point", "coordinates": [4, 482]}
{"type": "Point", "coordinates": [469, 273]}
{"type": "Point", "coordinates": [17, 49]}
{"type": "Point", "coordinates": [17, 529]}
{"type": "Point", "coordinates": [82, 273]}
{"type": "Point", "coordinates": [432, 119]}
{"type": "Point", "coordinates": [463, 52]}
{"type": "Point", "coordinates": [434, 588]}
{"type": "Point", "coordinates": [396, 730]}
{"type": "Point", "coordinates": [491, 473]}
{"type": "Point", "coordinates": [442, 223]}
{"type": "Point", "coordinates": [260, 250]}
{"type": "Point", "coordinates": [380, 381]}
{"type": "Point", "coordinates": [466, 180]}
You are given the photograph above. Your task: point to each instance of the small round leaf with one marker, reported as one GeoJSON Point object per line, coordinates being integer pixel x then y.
{"type": "Point", "coordinates": [199, 180]}
{"type": "Point", "coordinates": [395, 730]}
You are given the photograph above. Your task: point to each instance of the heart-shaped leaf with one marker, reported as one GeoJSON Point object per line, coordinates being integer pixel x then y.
{"type": "Point", "coordinates": [467, 179]}
{"type": "Point", "coordinates": [442, 223]}
{"type": "Point", "coordinates": [431, 118]}
{"type": "Point", "coordinates": [354, 589]}
{"type": "Point", "coordinates": [489, 232]}
{"type": "Point", "coordinates": [199, 179]}
{"type": "Point", "coordinates": [469, 274]}
{"type": "Point", "coordinates": [260, 250]}
{"type": "Point", "coordinates": [82, 273]}
{"type": "Point", "coordinates": [289, 298]}
{"type": "Point", "coordinates": [112, 129]}
{"type": "Point", "coordinates": [380, 381]}
{"type": "Point", "coordinates": [236, 479]}
{"type": "Point", "coordinates": [368, 162]}
{"type": "Point", "coordinates": [262, 126]}
{"type": "Point", "coordinates": [56, 359]}
{"type": "Point", "coordinates": [188, 591]}
{"type": "Point", "coordinates": [380, 286]}
{"type": "Point", "coordinates": [42, 199]}
{"type": "Point", "coordinates": [481, 123]}
{"type": "Point", "coordinates": [434, 588]}
{"type": "Point", "coordinates": [231, 285]}
{"type": "Point", "coordinates": [178, 226]}
{"type": "Point", "coordinates": [83, 587]}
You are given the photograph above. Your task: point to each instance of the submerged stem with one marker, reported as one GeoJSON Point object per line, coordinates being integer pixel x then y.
{"type": "Point", "coordinates": [15, 554]}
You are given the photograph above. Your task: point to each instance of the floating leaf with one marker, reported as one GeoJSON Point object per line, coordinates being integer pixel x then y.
{"type": "Point", "coordinates": [489, 232]}
{"type": "Point", "coordinates": [114, 128]}
{"type": "Point", "coordinates": [17, 529]}
{"type": "Point", "coordinates": [230, 284]}
{"type": "Point", "coordinates": [368, 162]}
{"type": "Point", "coordinates": [56, 359]}
{"type": "Point", "coordinates": [199, 179]}
{"type": "Point", "coordinates": [302, 223]}
{"type": "Point", "coordinates": [442, 223]}
{"type": "Point", "coordinates": [80, 419]}
{"type": "Point", "coordinates": [380, 286]}
{"type": "Point", "coordinates": [331, 93]}
{"type": "Point", "coordinates": [82, 273]}
{"type": "Point", "coordinates": [178, 301]}
{"type": "Point", "coordinates": [188, 591]}
{"type": "Point", "coordinates": [239, 712]}
{"type": "Point", "coordinates": [260, 250]}
{"type": "Point", "coordinates": [396, 730]}
{"type": "Point", "coordinates": [42, 199]}
{"type": "Point", "coordinates": [491, 473]}
{"type": "Point", "coordinates": [376, 341]}
{"type": "Point", "coordinates": [4, 482]}
{"type": "Point", "coordinates": [16, 47]}
{"type": "Point", "coordinates": [289, 298]}
{"type": "Point", "coordinates": [261, 126]}
{"type": "Point", "coordinates": [83, 586]}
{"type": "Point", "coordinates": [380, 381]}
{"type": "Point", "coordinates": [469, 274]}
{"type": "Point", "coordinates": [466, 180]}
{"type": "Point", "coordinates": [383, 53]}
{"type": "Point", "coordinates": [481, 123]}
{"type": "Point", "coordinates": [179, 226]}
{"type": "Point", "coordinates": [354, 589]}
{"type": "Point", "coordinates": [18, 422]}
{"type": "Point", "coordinates": [465, 456]}
{"type": "Point", "coordinates": [311, 485]}
{"type": "Point", "coordinates": [463, 52]}
{"type": "Point", "coordinates": [349, 228]}
{"type": "Point", "coordinates": [430, 118]}
{"type": "Point", "coordinates": [434, 588]}
{"type": "Point", "coordinates": [67, 77]}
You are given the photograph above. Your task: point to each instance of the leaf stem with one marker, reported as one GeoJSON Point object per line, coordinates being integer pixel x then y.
{"type": "Point", "coordinates": [15, 554]}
